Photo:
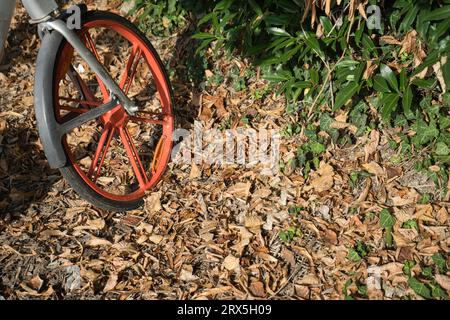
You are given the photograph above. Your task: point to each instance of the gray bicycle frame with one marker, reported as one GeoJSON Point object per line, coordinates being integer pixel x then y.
{"type": "Point", "coordinates": [44, 13]}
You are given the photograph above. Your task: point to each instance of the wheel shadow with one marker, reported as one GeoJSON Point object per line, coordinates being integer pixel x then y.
{"type": "Point", "coordinates": [188, 76]}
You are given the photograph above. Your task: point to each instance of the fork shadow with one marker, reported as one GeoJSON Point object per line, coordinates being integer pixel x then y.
{"type": "Point", "coordinates": [25, 177]}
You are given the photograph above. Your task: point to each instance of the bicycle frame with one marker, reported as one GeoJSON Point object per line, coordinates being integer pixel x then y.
{"type": "Point", "coordinates": [47, 15]}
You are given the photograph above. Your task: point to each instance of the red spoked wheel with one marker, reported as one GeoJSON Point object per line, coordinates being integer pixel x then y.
{"type": "Point", "coordinates": [116, 158]}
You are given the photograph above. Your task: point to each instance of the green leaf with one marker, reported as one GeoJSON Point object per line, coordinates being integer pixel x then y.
{"type": "Point", "coordinates": [353, 255]}
{"type": "Point", "coordinates": [278, 31]}
{"type": "Point", "coordinates": [407, 101]}
{"type": "Point", "coordinates": [440, 262]}
{"type": "Point", "coordinates": [442, 149]}
{"type": "Point", "coordinates": [419, 288]}
{"type": "Point", "coordinates": [223, 5]}
{"type": "Point", "coordinates": [410, 224]}
{"type": "Point", "coordinates": [431, 59]}
{"type": "Point", "coordinates": [313, 44]}
{"type": "Point", "coordinates": [388, 105]}
{"type": "Point", "coordinates": [437, 292]}
{"type": "Point", "coordinates": [389, 75]}
{"type": "Point", "coordinates": [407, 266]}
{"type": "Point", "coordinates": [345, 94]}
{"type": "Point", "coordinates": [281, 75]}
{"type": "Point", "coordinates": [403, 80]}
{"type": "Point", "coordinates": [425, 83]}
{"type": "Point", "coordinates": [427, 272]}
{"type": "Point", "coordinates": [438, 14]}
{"type": "Point", "coordinates": [424, 133]}
{"type": "Point", "coordinates": [327, 25]}
{"type": "Point", "coordinates": [409, 18]}
{"type": "Point", "coordinates": [362, 290]}
{"type": "Point", "coordinates": [203, 35]}
{"type": "Point", "coordinates": [388, 238]}
{"type": "Point", "coordinates": [346, 63]}
{"type": "Point", "coordinates": [387, 220]}
{"type": "Point", "coordinates": [380, 84]}
{"type": "Point", "coordinates": [317, 148]}
{"type": "Point", "coordinates": [446, 73]}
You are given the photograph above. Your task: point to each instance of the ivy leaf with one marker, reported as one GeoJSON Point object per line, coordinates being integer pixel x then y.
{"type": "Point", "coordinates": [442, 149]}
{"type": "Point", "coordinates": [345, 94]}
{"type": "Point", "coordinates": [424, 133]}
{"type": "Point", "coordinates": [438, 292]}
{"type": "Point", "coordinates": [353, 255]}
{"type": "Point", "coordinates": [387, 220]}
{"type": "Point", "coordinates": [388, 238]}
{"type": "Point", "coordinates": [420, 288]}
{"type": "Point", "coordinates": [317, 148]}
{"type": "Point", "coordinates": [389, 75]}
{"type": "Point", "coordinates": [439, 260]}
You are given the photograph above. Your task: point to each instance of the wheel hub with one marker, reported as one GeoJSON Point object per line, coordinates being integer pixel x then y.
{"type": "Point", "coordinates": [117, 117]}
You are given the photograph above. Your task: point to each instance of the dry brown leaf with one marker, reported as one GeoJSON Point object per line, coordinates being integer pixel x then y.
{"type": "Point", "coordinates": [195, 171]}
{"type": "Point", "coordinates": [111, 283]}
{"type": "Point", "coordinates": [309, 280]}
{"type": "Point", "coordinates": [36, 283]}
{"type": "Point", "coordinates": [390, 40]}
{"type": "Point", "coordinates": [97, 242]}
{"type": "Point", "coordinates": [186, 275]}
{"type": "Point", "coordinates": [374, 168]}
{"type": "Point", "coordinates": [253, 222]}
{"type": "Point", "coordinates": [257, 289]}
{"type": "Point", "coordinates": [153, 202]}
{"type": "Point", "coordinates": [156, 238]}
{"type": "Point", "coordinates": [325, 179]}
{"type": "Point", "coordinates": [231, 263]}
{"type": "Point", "coordinates": [443, 281]}
{"type": "Point", "coordinates": [371, 147]}
{"type": "Point", "coordinates": [240, 190]}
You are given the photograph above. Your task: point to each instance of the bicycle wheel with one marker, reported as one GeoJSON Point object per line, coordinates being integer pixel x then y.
{"type": "Point", "coordinates": [114, 159]}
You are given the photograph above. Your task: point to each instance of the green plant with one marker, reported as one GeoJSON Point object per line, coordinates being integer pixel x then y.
{"type": "Point", "coordinates": [427, 287]}
{"type": "Point", "coordinates": [295, 210]}
{"type": "Point", "coordinates": [410, 224]}
{"type": "Point", "coordinates": [160, 18]}
{"type": "Point", "coordinates": [387, 222]}
{"type": "Point", "coordinates": [357, 253]}
{"type": "Point", "coordinates": [288, 235]}
{"type": "Point", "coordinates": [440, 262]}
{"type": "Point", "coordinates": [348, 65]}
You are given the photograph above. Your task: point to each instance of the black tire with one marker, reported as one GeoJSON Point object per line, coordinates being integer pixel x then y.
{"type": "Point", "coordinates": [69, 172]}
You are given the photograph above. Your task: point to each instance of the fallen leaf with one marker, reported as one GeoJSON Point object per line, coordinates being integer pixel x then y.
{"type": "Point", "coordinates": [153, 202]}
{"type": "Point", "coordinates": [240, 190]}
{"type": "Point", "coordinates": [97, 242]}
{"type": "Point", "coordinates": [443, 281]}
{"type": "Point", "coordinates": [374, 168]}
{"type": "Point", "coordinates": [325, 179]}
{"type": "Point", "coordinates": [231, 263]}
{"type": "Point", "coordinates": [111, 283]}
{"type": "Point", "coordinates": [257, 289]}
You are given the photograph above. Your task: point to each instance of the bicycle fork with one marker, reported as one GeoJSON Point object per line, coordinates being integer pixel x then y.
{"type": "Point", "coordinates": [46, 14]}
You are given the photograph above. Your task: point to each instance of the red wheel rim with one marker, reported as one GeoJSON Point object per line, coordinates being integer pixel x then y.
{"type": "Point", "coordinates": [114, 123]}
